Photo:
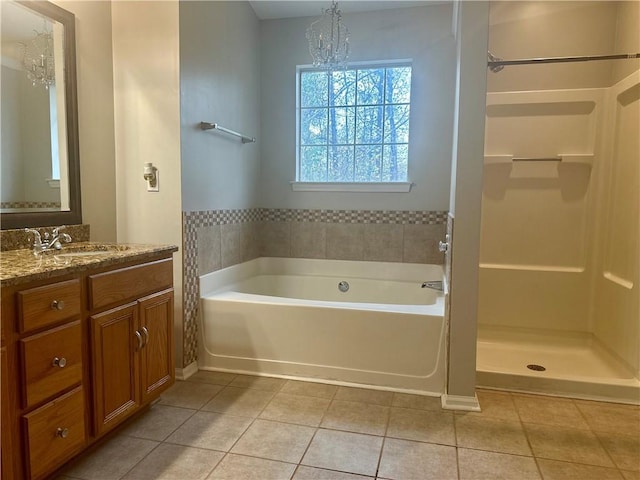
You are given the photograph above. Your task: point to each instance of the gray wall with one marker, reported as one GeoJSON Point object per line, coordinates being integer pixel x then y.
{"type": "Point", "coordinates": [420, 33]}
{"type": "Point", "coordinates": [219, 83]}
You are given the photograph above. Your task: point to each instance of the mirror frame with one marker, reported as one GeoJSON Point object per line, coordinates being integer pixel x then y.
{"type": "Point", "coordinates": [74, 215]}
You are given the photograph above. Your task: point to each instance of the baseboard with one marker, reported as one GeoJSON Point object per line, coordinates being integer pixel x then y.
{"type": "Point", "coordinates": [460, 402]}
{"type": "Point", "coordinates": [186, 372]}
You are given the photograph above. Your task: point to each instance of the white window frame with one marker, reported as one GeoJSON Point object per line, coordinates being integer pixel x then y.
{"type": "Point", "coordinates": [386, 187]}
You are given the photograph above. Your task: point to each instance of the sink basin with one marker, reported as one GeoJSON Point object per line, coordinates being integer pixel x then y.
{"type": "Point", "coordinates": [88, 250]}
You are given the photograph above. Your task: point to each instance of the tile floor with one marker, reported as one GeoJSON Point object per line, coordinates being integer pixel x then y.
{"type": "Point", "coordinates": [223, 426]}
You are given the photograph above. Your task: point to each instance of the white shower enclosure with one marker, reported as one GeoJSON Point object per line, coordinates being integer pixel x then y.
{"type": "Point", "coordinates": [559, 308]}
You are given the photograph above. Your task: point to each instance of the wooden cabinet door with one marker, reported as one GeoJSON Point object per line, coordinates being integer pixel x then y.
{"type": "Point", "coordinates": [157, 369]}
{"type": "Point", "coordinates": [115, 345]}
{"type": "Point", "coordinates": [6, 452]}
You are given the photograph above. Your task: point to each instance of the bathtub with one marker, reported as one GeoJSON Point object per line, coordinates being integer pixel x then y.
{"type": "Point", "coordinates": [288, 317]}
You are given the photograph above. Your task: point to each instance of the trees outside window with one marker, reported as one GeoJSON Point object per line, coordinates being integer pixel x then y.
{"type": "Point", "coordinates": [353, 124]}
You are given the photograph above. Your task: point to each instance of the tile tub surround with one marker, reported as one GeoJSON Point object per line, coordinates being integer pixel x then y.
{"type": "Point", "coordinates": [17, 239]}
{"type": "Point", "coordinates": [216, 239]}
{"type": "Point", "coordinates": [202, 429]}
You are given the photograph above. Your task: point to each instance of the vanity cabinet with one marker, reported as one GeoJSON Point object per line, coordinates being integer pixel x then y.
{"type": "Point", "coordinates": [81, 354]}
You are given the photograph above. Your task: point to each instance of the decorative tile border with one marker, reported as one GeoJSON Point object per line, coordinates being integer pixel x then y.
{"type": "Point", "coordinates": [21, 205]}
{"type": "Point", "coordinates": [191, 221]}
{"type": "Point", "coordinates": [396, 217]}
{"type": "Point", "coordinates": [206, 218]}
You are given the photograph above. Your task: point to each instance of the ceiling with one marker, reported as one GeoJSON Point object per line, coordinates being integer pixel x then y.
{"type": "Point", "coordinates": [267, 9]}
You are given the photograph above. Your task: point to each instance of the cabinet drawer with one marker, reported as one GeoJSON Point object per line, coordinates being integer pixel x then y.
{"type": "Point", "coordinates": [118, 286]}
{"type": "Point", "coordinates": [48, 305]}
{"type": "Point", "coordinates": [42, 374]}
{"type": "Point", "coordinates": [54, 433]}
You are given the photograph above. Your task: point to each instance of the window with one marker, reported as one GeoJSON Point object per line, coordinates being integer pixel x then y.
{"type": "Point", "coordinates": [353, 124]}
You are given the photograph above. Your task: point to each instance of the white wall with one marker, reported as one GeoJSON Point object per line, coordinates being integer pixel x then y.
{"type": "Point", "coordinates": [420, 33]}
{"type": "Point", "coordinates": [147, 129]}
{"type": "Point", "coordinates": [95, 115]}
{"type": "Point", "coordinates": [466, 178]}
{"type": "Point", "coordinates": [627, 39]}
{"type": "Point", "coordinates": [530, 29]}
{"type": "Point", "coordinates": [220, 83]}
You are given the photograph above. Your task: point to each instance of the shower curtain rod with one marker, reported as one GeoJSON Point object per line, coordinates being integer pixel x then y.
{"type": "Point", "coordinates": [496, 64]}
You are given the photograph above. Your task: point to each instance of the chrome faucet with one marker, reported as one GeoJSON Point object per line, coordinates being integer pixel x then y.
{"type": "Point", "coordinates": [434, 285]}
{"type": "Point", "coordinates": [45, 242]}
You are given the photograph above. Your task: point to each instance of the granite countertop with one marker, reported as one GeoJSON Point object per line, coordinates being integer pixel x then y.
{"type": "Point", "coordinates": [21, 266]}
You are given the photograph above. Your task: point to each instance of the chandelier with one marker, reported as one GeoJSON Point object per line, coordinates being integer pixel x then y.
{"type": "Point", "coordinates": [329, 39]}
{"type": "Point", "coordinates": [38, 60]}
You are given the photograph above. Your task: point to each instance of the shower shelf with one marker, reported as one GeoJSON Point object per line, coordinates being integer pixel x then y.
{"type": "Point", "coordinates": [564, 158]}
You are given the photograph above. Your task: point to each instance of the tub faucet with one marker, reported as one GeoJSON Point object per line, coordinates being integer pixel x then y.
{"type": "Point", "coordinates": [434, 285]}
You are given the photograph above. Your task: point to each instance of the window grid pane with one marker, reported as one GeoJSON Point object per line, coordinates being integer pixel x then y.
{"type": "Point", "coordinates": [363, 142]}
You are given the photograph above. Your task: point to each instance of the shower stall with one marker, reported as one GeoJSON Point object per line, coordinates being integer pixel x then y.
{"type": "Point", "coordinates": [559, 308]}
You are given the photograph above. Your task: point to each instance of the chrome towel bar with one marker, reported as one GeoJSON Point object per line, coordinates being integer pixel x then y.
{"type": "Point", "coordinates": [215, 126]}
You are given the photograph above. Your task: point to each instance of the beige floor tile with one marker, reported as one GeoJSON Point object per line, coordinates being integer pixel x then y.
{"type": "Point", "coordinates": [405, 460]}
{"type": "Point", "coordinates": [497, 405]}
{"type": "Point", "coordinates": [158, 423]}
{"type": "Point", "coordinates": [480, 465]}
{"type": "Point", "coordinates": [344, 451]}
{"type": "Point", "coordinates": [567, 444]}
{"type": "Point", "coordinates": [296, 409]}
{"type": "Point", "coordinates": [492, 434]}
{"type": "Point", "coordinates": [555, 470]}
{"type": "Point", "coordinates": [275, 441]}
{"type": "Point", "coordinates": [356, 417]}
{"type": "Point", "coordinates": [312, 473]}
{"type": "Point", "coordinates": [210, 430]}
{"type": "Point", "coordinates": [611, 417]}
{"type": "Point", "coordinates": [245, 402]}
{"type": "Point", "coordinates": [309, 389]}
{"type": "Point", "coordinates": [189, 394]}
{"type": "Point", "coordinates": [549, 411]}
{"type": "Point", "coordinates": [259, 383]}
{"type": "Point", "coordinates": [216, 378]}
{"type": "Point", "coordinates": [422, 425]}
{"type": "Point", "coordinates": [623, 449]}
{"type": "Point", "coordinates": [239, 467]}
{"type": "Point", "coordinates": [175, 462]}
{"type": "Point", "coordinates": [364, 395]}
{"type": "Point", "coordinates": [112, 460]}
{"type": "Point", "coordinates": [419, 402]}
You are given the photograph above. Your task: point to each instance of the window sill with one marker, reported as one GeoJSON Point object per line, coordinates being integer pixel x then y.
{"type": "Point", "coordinates": [354, 187]}
{"type": "Point", "coordinates": [53, 182]}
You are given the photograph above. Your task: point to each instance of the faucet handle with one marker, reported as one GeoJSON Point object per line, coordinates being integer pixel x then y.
{"type": "Point", "coordinates": [57, 230]}
{"type": "Point", "coordinates": [37, 239]}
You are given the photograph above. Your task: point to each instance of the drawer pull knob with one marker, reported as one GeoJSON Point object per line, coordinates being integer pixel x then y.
{"type": "Point", "coordinates": [139, 337]}
{"type": "Point", "coordinates": [57, 305]}
{"type": "Point", "coordinates": [62, 432]}
{"type": "Point", "coordinates": [59, 362]}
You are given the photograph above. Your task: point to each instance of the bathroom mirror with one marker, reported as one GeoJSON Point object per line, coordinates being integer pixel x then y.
{"type": "Point", "coordinates": [40, 175]}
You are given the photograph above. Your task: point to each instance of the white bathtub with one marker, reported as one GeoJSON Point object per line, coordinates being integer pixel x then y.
{"type": "Point", "coordinates": [287, 317]}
